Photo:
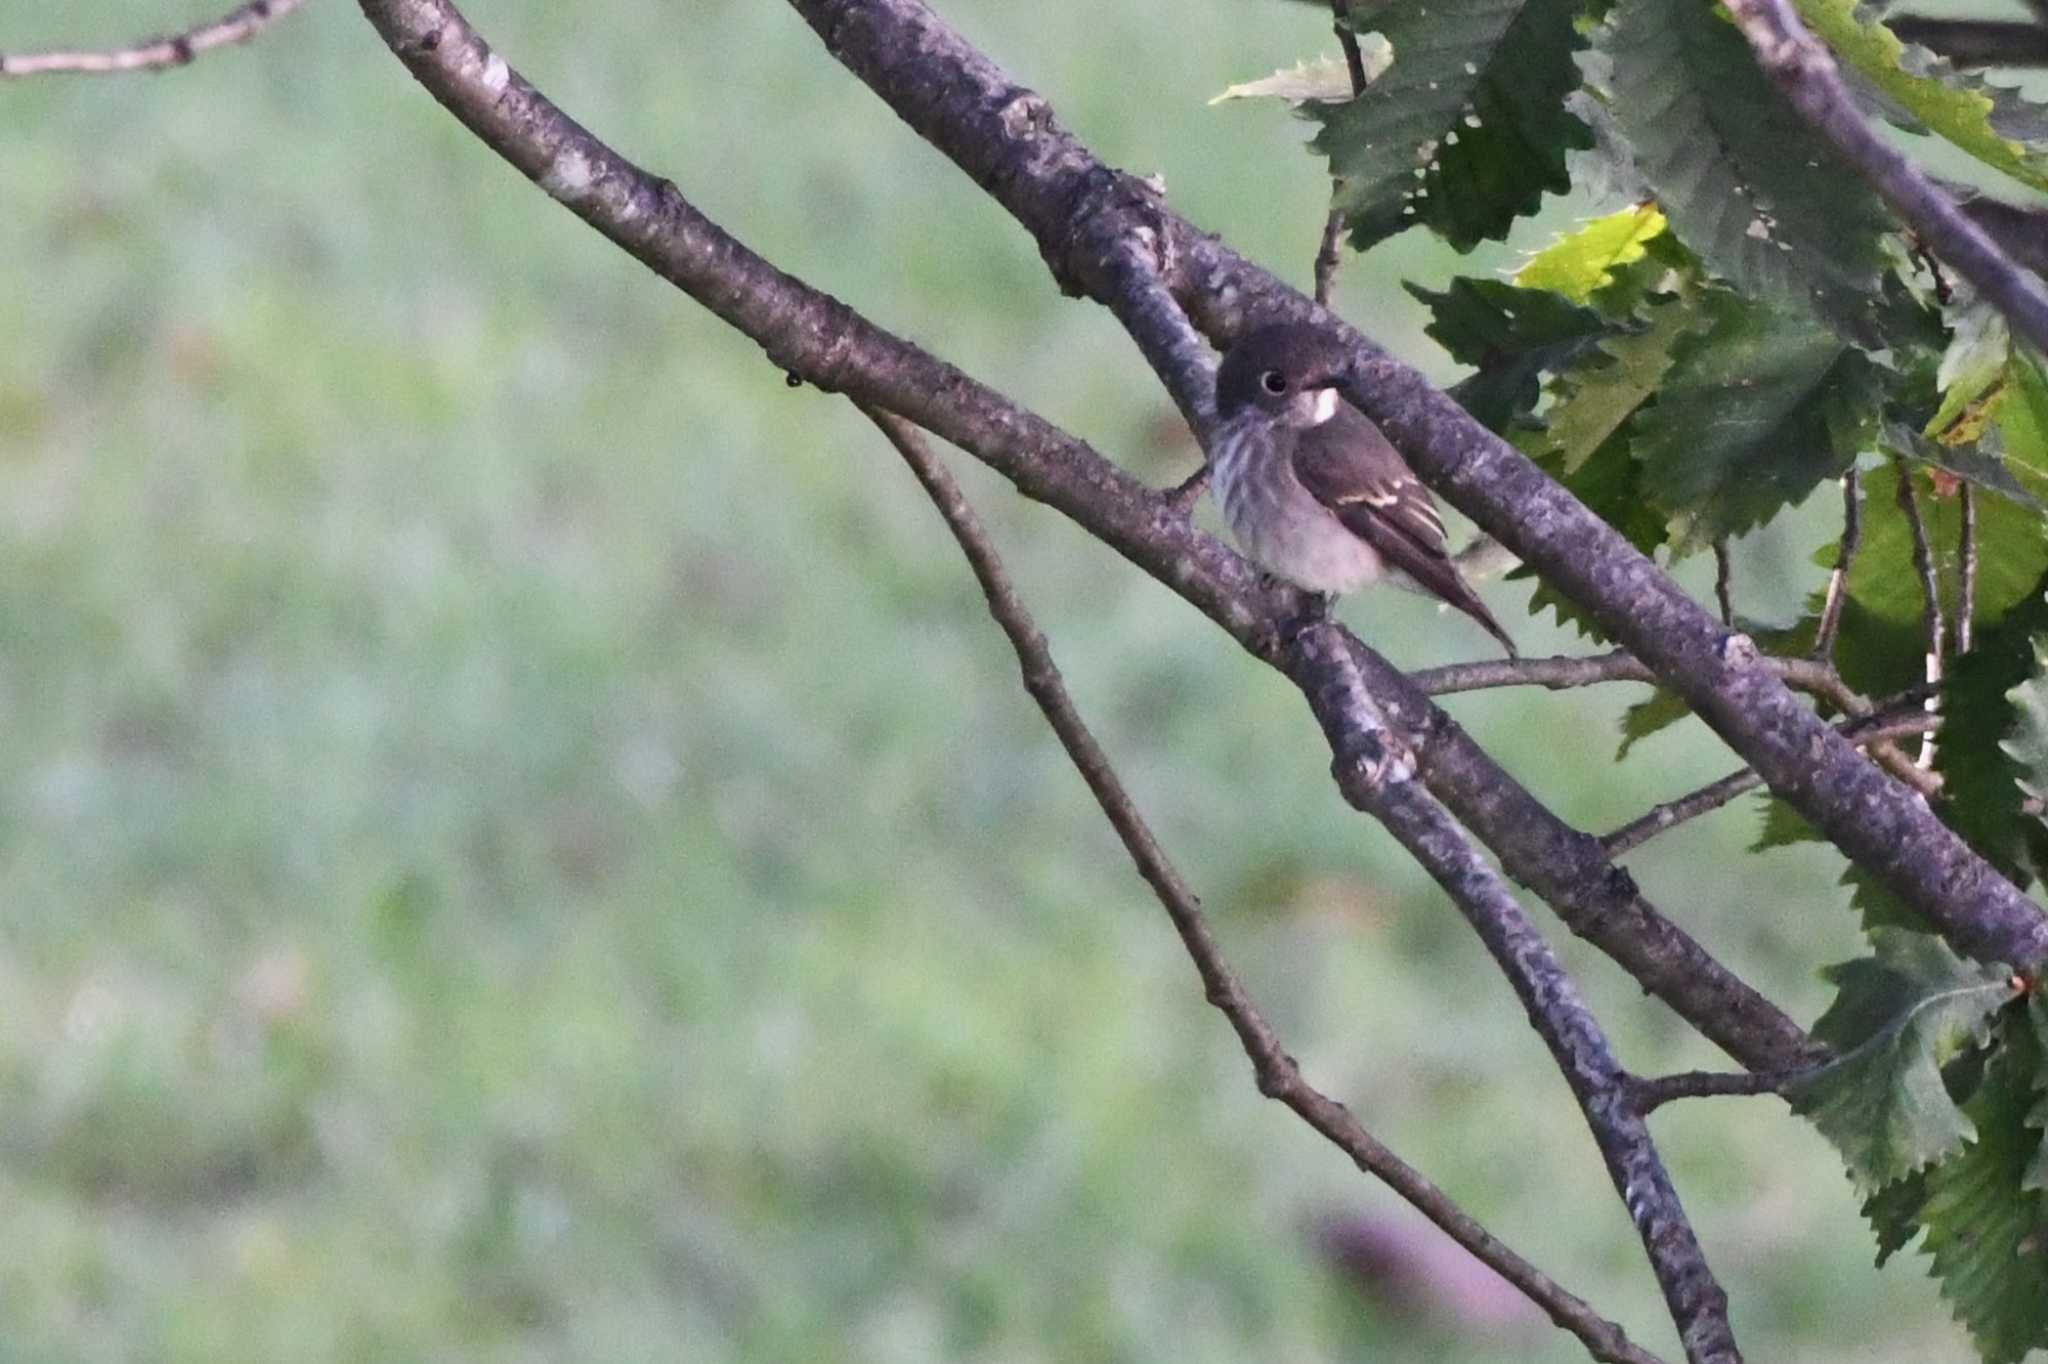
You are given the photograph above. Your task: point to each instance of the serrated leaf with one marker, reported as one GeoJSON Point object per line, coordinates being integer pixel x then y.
{"type": "Point", "coordinates": [1897, 1016]}
{"type": "Point", "coordinates": [1318, 78]}
{"type": "Point", "coordinates": [1663, 710]}
{"type": "Point", "coordinates": [1987, 1235]}
{"type": "Point", "coordinates": [2023, 418]}
{"type": "Point", "coordinates": [2027, 744]}
{"type": "Point", "coordinates": [1982, 793]}
{"type": "Point", "coordinates": [1979, 346]}
{"type": "Point", "coordinates": [1578, 264]}
{"type": "Point", "coordinates": [1512, 335]}
{"type": "Point", "coordinates": [1782, 826]}
{"type": "Point", "coordinates": [1894, 1214]}
{"type": "Point", "coordinates": [1995, 124]}
{"type": "Point", "coordinates": [1754, 414]}
{"type": "Point", "coordinates": [1748, 185]}
{"type": "Point", "coordinates": [1467, 129]}
{"type": "Point", "coordinates": [1612, 379]}
{"type": "Point", "coordinates": [1972, 463]}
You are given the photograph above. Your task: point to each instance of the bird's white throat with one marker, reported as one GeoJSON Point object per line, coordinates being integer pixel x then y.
{"type": "Point", "coordinates": [1326, 406]}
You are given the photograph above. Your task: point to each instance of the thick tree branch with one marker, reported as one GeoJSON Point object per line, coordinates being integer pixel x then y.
{"type": "Point", "coordinates": [1278, 1075]}
{"type": "Point", "coordinates": [1376, 772]}
{"type": "Point", "coordinates": [154, 54]}
{"type": "Point", "coordinates": [822, 341]}
{"type": "Point", "coordinates": [1805, 72]}
{"type": "Point", "coordinates": [1007, 139]}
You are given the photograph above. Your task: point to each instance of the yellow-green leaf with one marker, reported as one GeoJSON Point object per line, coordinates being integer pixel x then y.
{"type": "Point", "coordinates": [1320, 78]}
{"type": "Point", "coordinates": [1578, 264]}
{"type": "Point", "coordinates": [1952, 104]}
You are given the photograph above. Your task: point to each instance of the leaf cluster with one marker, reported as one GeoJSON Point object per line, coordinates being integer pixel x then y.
{"type": "Point", "coordinates": [1744, 324]}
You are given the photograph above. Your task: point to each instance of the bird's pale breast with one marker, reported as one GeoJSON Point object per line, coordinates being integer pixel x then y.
{"type": "Point", "coordinates": [1278, 522]}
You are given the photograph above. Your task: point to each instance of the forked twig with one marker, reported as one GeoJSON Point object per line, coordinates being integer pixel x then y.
{"type": "Point", "coordinates": [1278, 1075]}
{"type": "Point", "coordinates": [1830, 630]}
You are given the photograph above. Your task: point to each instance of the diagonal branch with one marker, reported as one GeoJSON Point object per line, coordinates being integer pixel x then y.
{"type": "Point", "coordinates": [1087, 217]}
{"type": "Point", "coordinates": [1376, 772]}
{"type": "Point", "coordinates": [825, 343]}
{"type": "Point", "coordinates": [155, 54]}
{"type": "Point", "coordinates": [1669, 815]}
{"type": "Point", "coordinates": [1279, 1076]}
{"type": "Point", "coordinates": [1805, 72]}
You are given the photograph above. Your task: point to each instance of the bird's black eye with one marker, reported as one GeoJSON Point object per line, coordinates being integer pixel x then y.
{"type": "Point", "coordinates": [1273, 381]}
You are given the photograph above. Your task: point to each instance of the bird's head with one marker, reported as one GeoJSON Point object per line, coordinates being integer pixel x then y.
{"type": "Point", "coordinates": [1287, 371]}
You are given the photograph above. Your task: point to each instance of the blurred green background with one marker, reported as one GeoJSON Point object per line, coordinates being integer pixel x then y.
{"type": "Point", "coordinates": [518, 841]}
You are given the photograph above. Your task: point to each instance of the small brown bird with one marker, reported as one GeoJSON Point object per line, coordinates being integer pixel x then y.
{"type": "Point", "coordinates": [1312, 490]}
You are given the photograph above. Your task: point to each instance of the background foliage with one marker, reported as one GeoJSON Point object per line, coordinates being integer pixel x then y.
{"type": "Point", "coordinates": [519, 842]}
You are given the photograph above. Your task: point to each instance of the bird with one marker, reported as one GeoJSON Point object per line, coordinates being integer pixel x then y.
{"type": "Point", "coordinates": [1313, 492]}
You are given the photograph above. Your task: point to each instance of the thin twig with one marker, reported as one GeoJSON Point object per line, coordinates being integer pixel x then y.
{"type": "Point", "coordinates": [1279, 1076]}
{"type": "Point", "coordinates": [1654, 1092]}
{"type": "Point", "coordinates": [1807, 675]}
{"type": "Point", "coordinates": [1806, 73]}
{"type": "Point", "coordinates": [1330, 255]}
{"type": "Point", "coordinates": [1724, 584]}
{"type": "Point", "coordinates": [1966, 596]}
{"type": "Point", "coordinates": [154, 54]}
{"type": "Point", "coordinates": [1669, 815]}
{"type": "Point", "coordinates": [1830, 630]}
{"type": "Point", "coordinates": [1930, 593]}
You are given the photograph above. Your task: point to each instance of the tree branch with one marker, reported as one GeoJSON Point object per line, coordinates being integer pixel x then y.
{"type": "Point", "coordinates": [1724, 583]}
{"type": "Point", "coordinates": [1330, 254]}
{"type": "Point", "coordinates": [1654, 1093]}
{"type": "Point", "coordinates": [1966, 552]}
{"type": "Point", "coordinates": [1976, 42]}
{"type": "Point", "coordinates": [827, 344]}
{"type": "Point", "coordinates": [1007, 138]}
{"type": "Point", "coordinates": [1830, 629]}
{"type": "Point", "coordinates": [154, 54]}
{"type": "Point", "coordinates": [1930, 594]}
{"type": "Point", "coordinates": [1376, 772]}
{"type": "Point", "coordinates": [1278, 1075]}
{"type": "Point", "coordinates": [1712, 796]}
{"type": "Point", "coordinates": [1805, 72]}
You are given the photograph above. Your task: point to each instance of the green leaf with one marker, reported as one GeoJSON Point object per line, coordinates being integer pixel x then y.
{"type": "Point", "coordinates": [1894, 1214]}
{"type": "Point", "coordinates": [1754, 414]}
{"type": "Point", "coordinates": [1982, 792]}
{"type": "Point", "coordinates": [1583, 262]}
{"type": "Point", "coordinates": [1513, 336]}
{"type": "Point", "coordinates": [1782, 827]}
{"type": "Point", "coordinates": [1993, 123]}
{"type": "Point", "coordinates": [1467, 128]}
{"type": "Point", "coordinates": [1747, 184]}
{"type": "Point", "coordinates": [1979, 347]}
{"type": "Point", "coordinates": [1897, 1017]}
{"type": "Point", "coordinates": [2027, 745]}
{"type": "Point", "coordinates": [1613, 379]}
{"type": "Point", "coordinates": [2022, 424]}
{"type": "Point", "coordinates": [2036, 1176]}
{"type": "Point", "coordinates": [1987, 1233]}
{"type": "Point", "coordinates": [1663, 710]}
{"type": "Point", "coordinates": [1320, 78]}
{"type": "Point", "coordinates": [1972, 463]}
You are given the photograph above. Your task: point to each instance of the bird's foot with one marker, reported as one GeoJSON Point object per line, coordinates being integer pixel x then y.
{"type": "Point", "coordinates": [1183, 496]}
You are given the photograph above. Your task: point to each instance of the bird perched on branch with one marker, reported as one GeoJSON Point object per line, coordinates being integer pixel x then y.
{"type": "Point", "coordinates": [1312, 490]}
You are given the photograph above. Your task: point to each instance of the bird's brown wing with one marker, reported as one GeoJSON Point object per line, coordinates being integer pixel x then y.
{"type": "Point", "coordinates": [1350, 467]}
